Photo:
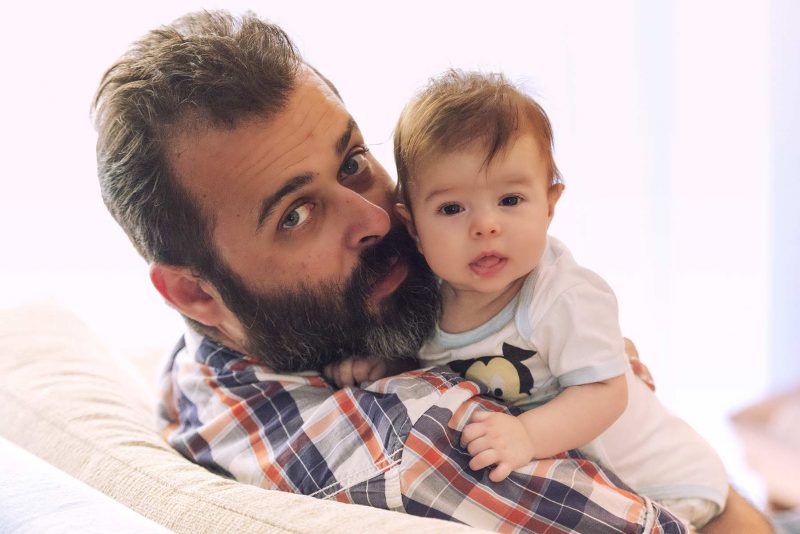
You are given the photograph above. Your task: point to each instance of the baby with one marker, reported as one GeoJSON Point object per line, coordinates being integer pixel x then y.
{"type": "Point", "coordinates": [478, 188]}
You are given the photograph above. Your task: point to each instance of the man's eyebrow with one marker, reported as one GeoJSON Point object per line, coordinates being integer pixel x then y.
{"type": "Point", "coordinates": [344, 140]}
{"type": "Point", "coordinates": [268, 204]}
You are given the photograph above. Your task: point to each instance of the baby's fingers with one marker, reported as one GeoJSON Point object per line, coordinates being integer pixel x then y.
{"type": "Point", "coordinates": [343, 373]}
{"type": "Point", "coordinates": [361, 370]}
{"type": "Point", "coordinates": [378, 370]}
{"type": "Point", "coordinates": [472, 432]}
{"type": "Point", "coordinates": [500, 472]}
{"type": "Point", "coordinates": [483, 459]}
{"type": "Point", "coordinates": [478, 445]}
{"type": "Point", "coordinates": [327, 372]}
{"type": "Point", "coordinates": [479, 416]}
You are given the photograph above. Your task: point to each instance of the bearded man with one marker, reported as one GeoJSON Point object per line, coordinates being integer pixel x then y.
{"type": "Point", "coordinates": [238, 174]}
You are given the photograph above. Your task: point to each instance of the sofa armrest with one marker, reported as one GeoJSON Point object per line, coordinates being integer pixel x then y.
{"type": "Point", "coordinates": [68, 400]}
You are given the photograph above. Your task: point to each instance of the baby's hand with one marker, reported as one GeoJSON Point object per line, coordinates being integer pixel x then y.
{"type": "Point", "coordinates": [352, 371]}
{"type": "Point", "coordinates": [497, 438]}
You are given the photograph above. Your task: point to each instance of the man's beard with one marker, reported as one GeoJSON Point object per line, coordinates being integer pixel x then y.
{"type": "Point", "coordinates": [305, 328]}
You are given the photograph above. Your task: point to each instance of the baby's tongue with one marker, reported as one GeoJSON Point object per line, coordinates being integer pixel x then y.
{"type": "Point", "coordinates": [486, 262]}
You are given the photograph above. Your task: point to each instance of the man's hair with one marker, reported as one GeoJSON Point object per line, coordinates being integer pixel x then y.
{"type": "Point", "coordinates": [206, 69]}
{"type": "Point", "coordinates": [460, 108]}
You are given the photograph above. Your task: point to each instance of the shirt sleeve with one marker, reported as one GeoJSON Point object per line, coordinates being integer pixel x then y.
{"type": "Point", "coordinates": [577, 333]}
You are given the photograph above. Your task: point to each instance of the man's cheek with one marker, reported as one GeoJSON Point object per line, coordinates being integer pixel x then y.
{"type": "Point", "coordinates": [382, 195]}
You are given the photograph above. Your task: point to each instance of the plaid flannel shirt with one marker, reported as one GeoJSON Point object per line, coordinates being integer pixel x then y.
{"type": "Point", "coordinates": [393, 445]}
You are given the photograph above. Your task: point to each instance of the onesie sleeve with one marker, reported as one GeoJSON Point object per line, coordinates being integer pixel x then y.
{"type": "Point", "coordinates": [577, 332]}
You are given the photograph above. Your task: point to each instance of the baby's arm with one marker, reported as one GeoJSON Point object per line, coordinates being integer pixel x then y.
{"type": "Point", "coordinates": [572, 419]}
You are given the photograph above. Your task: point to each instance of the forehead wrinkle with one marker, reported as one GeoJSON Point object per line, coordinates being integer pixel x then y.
{"type": "Point", "coordinates": [299, 145]}
{"type": "Point", "coordinates": [281, 157]}
{"type": "Point", "coordinates": [305, 120]}
{"type": "Point", "coordinates": [298, 149]}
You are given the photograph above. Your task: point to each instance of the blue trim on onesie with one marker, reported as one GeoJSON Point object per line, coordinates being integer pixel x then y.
{"type": "Point", "coordinates": [456, 341]}
{"type": "Point", "coordinates": [588, 375]}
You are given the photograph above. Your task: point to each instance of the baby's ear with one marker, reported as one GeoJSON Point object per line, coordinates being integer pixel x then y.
{"type": "Point", "coordinates": [553, 194]}
{"type": "Point", "coordinates": [405, 215]}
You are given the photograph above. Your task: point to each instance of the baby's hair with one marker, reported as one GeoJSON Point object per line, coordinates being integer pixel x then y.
{"type": "Point", "coordinates": [459, 108]}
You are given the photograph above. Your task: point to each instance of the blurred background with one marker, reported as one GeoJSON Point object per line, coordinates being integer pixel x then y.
{"type": "Point", "coordinates": [676, 129]}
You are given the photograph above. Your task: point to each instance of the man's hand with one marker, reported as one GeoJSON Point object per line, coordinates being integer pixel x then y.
{"type": "Point", "coordinates": [738, 517]}
{"type": "Point", "coordinates": [350, 372]}
{"type": "Point", "coordinates": [497, 438]}
{"type": "Point", "coordinates": [639, 369]}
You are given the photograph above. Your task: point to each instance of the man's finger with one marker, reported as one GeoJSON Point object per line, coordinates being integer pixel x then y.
{"type": "Point", "coordinates": [643, 373]}
{"type": "Point", "coordinates": [639, 369]}
{"type": "Point", "coordinates": [630, 350]}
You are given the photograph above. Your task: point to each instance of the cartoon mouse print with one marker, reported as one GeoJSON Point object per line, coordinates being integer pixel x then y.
{"type": "Point", "coordinates": [505, 376]}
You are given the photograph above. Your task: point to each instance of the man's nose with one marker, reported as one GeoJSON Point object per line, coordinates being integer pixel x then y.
{"type": "Point", "coordinates": [366, 223]}
{"type": "Point", "coordinates": [484, 225]}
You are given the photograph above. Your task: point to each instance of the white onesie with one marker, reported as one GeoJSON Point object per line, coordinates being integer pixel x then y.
{"type": "Point", "coordinates": [562, 330]}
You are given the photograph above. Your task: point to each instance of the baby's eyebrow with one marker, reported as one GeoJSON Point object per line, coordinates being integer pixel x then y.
{"type": "Point", "coordinates": [516, 179]}
{"type": "Point", "coordinates": [438, 192]}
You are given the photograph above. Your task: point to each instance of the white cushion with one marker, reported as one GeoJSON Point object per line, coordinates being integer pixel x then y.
{"type": "Point", "coordinates": [36, 497]}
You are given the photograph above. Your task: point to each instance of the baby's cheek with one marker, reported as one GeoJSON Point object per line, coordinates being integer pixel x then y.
{"type": "Point", "coordinates": [438, 260]}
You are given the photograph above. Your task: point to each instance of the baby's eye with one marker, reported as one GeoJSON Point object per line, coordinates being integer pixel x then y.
{"type": "Point", "coordinates": [297, 216]}
{"type": "Point", "coordinates": [450, 209]}
{"type": "Point", "coordinates": [511, 200]}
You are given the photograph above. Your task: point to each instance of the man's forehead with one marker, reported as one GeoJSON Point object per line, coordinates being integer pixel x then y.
{"type": "Point", "coordinates": [312, 127]}
{"type": "Point", "coordinates": [310, 91]}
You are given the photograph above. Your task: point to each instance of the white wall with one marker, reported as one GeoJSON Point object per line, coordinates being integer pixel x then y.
{"type": "Point", "coordinates": [785, 132]}
{"type": "Point", "coordinates": [665, 123]}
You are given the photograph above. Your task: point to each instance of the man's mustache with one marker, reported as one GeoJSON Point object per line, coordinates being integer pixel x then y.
{"type": "Point", "coordinates": [377, 260]}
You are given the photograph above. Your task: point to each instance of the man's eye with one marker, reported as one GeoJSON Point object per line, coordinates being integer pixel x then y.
{"type": "Point", "coordinates": [511, 200]}
{"type": "Point", "coordinates": [355, 163]}
{"type": "Point", "coordinates": [297, 216]}
{"type": "Point", "coordinates": [450, 209]}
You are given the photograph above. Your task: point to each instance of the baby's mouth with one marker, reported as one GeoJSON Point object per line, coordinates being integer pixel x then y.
{"type": "Point", "coordinates": [488, 264]}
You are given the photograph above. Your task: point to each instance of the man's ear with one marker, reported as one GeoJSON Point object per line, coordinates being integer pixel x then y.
{"type": "Point", "coordinates": [405, 215]}
{"type": "Point", "coordinates": [553, 194]}
{"type": "Point", "coordinates": [188, 293]}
